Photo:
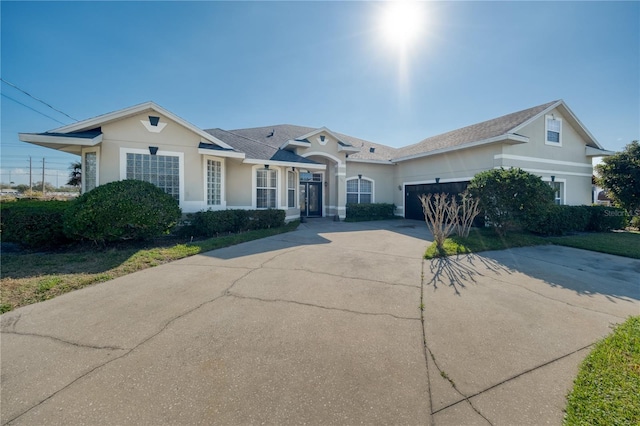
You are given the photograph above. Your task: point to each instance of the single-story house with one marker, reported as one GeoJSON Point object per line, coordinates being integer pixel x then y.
{"type": "Point", "coordinates": [316, 171]}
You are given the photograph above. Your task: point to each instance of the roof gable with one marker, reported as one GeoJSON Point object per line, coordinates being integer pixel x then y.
{"type": "Point", "coordinates": [100, 120]}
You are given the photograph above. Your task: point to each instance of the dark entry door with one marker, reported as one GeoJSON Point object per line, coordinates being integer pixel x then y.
{"type": "Point", "coordinates": [311, 199]}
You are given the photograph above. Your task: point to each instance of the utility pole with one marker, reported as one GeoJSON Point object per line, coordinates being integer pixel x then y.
{"type": "Point", "coordinates": [42, 175]}
{"type": "Point", "coordinates": [30, 176]}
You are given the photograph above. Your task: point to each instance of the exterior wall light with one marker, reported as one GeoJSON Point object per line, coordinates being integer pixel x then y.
{"type": "Point", "coordinates": [437, 180]}
{"type": "Point", "coordinates": [153, 150]}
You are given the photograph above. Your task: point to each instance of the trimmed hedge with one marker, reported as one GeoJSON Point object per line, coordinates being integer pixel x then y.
{"type": "Point", "coordinates": [372, 211]}
{"type": "Point", "coordinates": [121, 210]}
{"type": "Point", "coordinates": [33, 223]}
{"type": "Point", "coordinates": [560, 220]}
{"type": "Point", "coordinates": [211, 223]}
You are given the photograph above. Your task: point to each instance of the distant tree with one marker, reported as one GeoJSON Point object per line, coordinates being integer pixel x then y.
{"type": "Point", "coordinates": [619, 174]}
{"type": "Point", "coordinates": [22, 188]}
{"type": "Point", "coordinates": [75, 174]}
{"type": "Point", "coordinates": [37, 186]}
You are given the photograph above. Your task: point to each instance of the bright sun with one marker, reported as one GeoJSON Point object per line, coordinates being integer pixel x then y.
{"type": "Point", "coordinates": [402, 22]}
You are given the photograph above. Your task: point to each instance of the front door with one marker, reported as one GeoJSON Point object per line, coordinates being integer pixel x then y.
{"type": "Point", "coordinates": [311, 199]}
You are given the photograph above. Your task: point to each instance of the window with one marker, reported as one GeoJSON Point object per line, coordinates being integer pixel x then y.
{"type": "Point", "coordinates": [266, 184]}
{"type": "Point", "coordinates": [90, 172]}
{"type": "Point", "coordinates": [558, 190]}
{"type": "Point", "coordinates": [291, 189]}
{"type": "Point", "coordinates": [553, 130]}
{"type": "Point", "coordinates": [161, 170]}
{"type": "Point", "coordinates": [359, 191]}
{"type": "Point", "coordinates": [214, 179]}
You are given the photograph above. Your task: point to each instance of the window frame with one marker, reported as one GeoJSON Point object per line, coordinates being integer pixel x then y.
{"type": "Point", "coordinates": [360, 193]}
{"type": "Point", "coordinates": [180, 155]}
{"type": "Point", "coordinates": [547, 130]}
{"type": "Point", "coordinates": [255, 187]}
{"type": "Point", "coordinates": [222, 183]}
{"type": "Point", "coordinates": [292, 187]}
{"type": "Point", "coordinates": [562, 183]}
{"type": "Point", "coordinates": [96, 150]}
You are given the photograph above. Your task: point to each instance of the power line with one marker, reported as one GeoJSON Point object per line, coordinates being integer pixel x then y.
{"type": "Point", "coordinates": [32, 109]}
{"type": "Point", "coordinates": [39, 100]}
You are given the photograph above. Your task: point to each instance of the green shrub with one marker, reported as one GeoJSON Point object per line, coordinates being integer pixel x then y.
{"type": "Point", "coordinates": [511, 198]}
{"type": "Point", "coordinates": [34, 224]}
{"type": "Point", "coordinates": [605, 218]}
{"type": "Point", "coordinates": [211, 223]}
{"type": "Point", "coordinates": [265, 219]}
{"type": "Point", "coordinates": [372, 211]}
{"type": "Point", "coordinates": [122, 210]}
{"type": "Point", "coordinates": [560, 220]}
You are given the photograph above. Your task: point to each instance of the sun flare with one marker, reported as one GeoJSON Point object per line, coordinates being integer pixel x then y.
{"type": "Point", "coordinates": [402, 22]}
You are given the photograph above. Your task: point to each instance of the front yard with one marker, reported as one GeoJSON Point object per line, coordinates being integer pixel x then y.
{"type": "Point", "coordinates": [623, 243]}
{"type": "Point", "coordinates": [33, 277]}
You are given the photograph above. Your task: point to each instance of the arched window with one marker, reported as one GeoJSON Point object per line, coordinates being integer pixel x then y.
{"type": "Point", "coordinates": [359, 191]}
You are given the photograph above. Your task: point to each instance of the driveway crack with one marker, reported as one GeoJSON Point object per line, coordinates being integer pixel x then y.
{"type": "Point", "coordinates": [532, 369]}
{"type": "Point", "coordinates": [128, 351]}
{"type": "Point", "coordinates": [67, 342]}
{"type": "Point", "coordinates": [321, 306]}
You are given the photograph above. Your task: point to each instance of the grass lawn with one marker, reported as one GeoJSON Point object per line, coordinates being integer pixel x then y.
{"type": "Point", "coordinates": [482, 239]}
{"type": "Point", "coordinates": [33, 277]}
{"type": "Point", "coordinates": [619, 243]}
{"type": "Point", "coordinates": [607, 389]}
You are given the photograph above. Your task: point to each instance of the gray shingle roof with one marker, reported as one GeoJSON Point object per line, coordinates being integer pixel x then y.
{"type": "Point", "coordinates": [256, 149]}
{"type": "Point", "coordinates": [476, 132]}
{"type": "Point", "coordinates": [264, 142]}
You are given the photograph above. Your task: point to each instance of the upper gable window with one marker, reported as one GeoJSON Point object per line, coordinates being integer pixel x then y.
{"type": "Point", "coordinates": [553, 130]}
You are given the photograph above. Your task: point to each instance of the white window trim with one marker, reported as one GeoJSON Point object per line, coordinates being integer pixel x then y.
{"type": "Point", "coordinates": [373, 187]}
{"type": "Point", "coordinates": [205, 183]}
{"type": "Point", "coordinates": [296, 186]}
{"type": "Point", "coordinates": [564, 188]}
{"type": "Point", "coordinates": [180, 155]}
{"type": "Point", "coordinates": [82, 154]}
{"type": "Point", "coordinates": [546, 129]}
{"type": "Point", "coordinates": [254, 187]}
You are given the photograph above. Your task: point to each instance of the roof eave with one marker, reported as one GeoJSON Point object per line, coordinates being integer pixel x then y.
{"type": "Point", "coordinates": [509, 138]}
{"type": "Point", "coordinates": [311, 166]}
{"type": "Point", "coordinates": [94, 122]}
{"type": "Point", "coordinates": [295, 143]}
{"type": "Point", "coordinates": [363, 160]}
{"type": "Point", "coordinates": [60, 143]}
{"type": "Point", "coordinates": [595, 152]}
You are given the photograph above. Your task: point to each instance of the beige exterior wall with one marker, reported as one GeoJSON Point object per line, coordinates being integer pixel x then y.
{"type": "Point", "coordinates": [380, 174]}
{"type": "Point", "coordinates": [567, 161]}
{"type": "Point", "coordinates": [130, 133]}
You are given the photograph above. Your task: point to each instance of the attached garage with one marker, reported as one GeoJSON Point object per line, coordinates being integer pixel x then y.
{"type": "Point", "coordinates": [412, 205]}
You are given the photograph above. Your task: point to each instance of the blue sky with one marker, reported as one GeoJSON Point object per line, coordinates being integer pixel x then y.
{"type": "Point", "coordinates": [246, 64]}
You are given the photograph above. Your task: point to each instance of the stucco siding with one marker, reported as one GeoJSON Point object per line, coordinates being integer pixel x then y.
{"type": "Point", "coordinates": [130, 133]}
{"type": "Point", "coordinates": [238, 184]}
{"type": "Point", "coordinates": [382, 176]}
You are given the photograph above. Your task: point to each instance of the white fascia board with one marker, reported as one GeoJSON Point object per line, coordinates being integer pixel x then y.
{"type": "Point", "coordinates": [59, 140]}
{"type": "Point", "coordinates": [92, 123]}
{"type": "Point", "coordinates": [502, 138]}
{"type": "Point", "coordinates": [361, 160]}
{"type": "Point", "coordinates": [348, 149]}
{"type": "Point", "coordinates": [286, 164]}
{"type": "Point", "coordinates": [293, 142]}
{"type": "Point", "coordinates": [219, 153]}
{"type": "Point", "coordinates": [595, 152]}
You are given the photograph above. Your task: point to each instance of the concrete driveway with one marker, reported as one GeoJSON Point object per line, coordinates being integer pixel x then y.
{"type": "Point", "coordinates": [319, 326]}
